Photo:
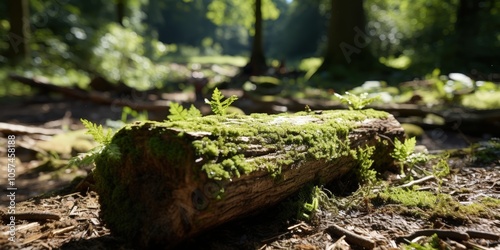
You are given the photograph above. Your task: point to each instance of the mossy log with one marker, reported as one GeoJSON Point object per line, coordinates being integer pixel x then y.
{"type": "Point", "coordinates": [160, 183]}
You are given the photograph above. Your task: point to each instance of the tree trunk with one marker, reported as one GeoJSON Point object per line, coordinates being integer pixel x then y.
{"type": "Point", "coordinates": [19, 19]}
{"type": "Point", "coordinates": [257, 64]}
{"type": "Point", "coordinates": [347, 39]}
{"type": "Point", "coordinates": [120, 11]}
{"type": "Point", "coordinates": [160, 183]}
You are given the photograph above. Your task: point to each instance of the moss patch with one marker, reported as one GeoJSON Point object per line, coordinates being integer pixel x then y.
{"type": "Point", "coordinates": [321, 136]}
{"type": "Point", "coordinates": [428, 204]}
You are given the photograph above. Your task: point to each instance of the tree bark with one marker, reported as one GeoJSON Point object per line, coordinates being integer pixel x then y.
{"type": "Point", "coordinates": [120, 11]}
{"type": "Point", "coordinates": [347, 39]}
{"type": "Point", "coordinates": [19, 19]}
{"type": "Point", "coordinates": [257, 63]}
{"type": "Point", "coordinates": [157, 187]}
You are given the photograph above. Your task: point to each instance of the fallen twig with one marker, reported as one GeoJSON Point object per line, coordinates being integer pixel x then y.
{"type": "Point", "coordinates": [32, 216]}
{"type": "Point", "coordinates": [441, 233]}
{"type": "Point", "coordinates": [471, 245]}
{"type": "Point", "coordinates": [337, 244]}
{"type": "Point", "coordinates": [483, 235]}
{"type": "Point", "coordinates": [351, 237]}
{"type": "Point", "coordinates": [62, 230]}
{"type": "Point", "coordinates": [411, 183]}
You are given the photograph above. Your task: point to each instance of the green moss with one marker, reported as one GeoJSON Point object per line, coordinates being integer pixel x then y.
{"type": "Point", "coordinates": [409, 198]}
{"type": "Point", "coordinates": [295, 137]}
{"type": "Point", "coordinates": [438, 205]}
{"type": "Point", "coordinates": [324, 138]}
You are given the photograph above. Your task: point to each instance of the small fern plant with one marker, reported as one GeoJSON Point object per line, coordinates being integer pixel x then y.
{"type": "Point", "coordinates": [179, 113]}
{"type": "Point", "coordinates": [404, 153]}
{"type": "Point", "coordinates": [365, 173]}
{"type": "Point", "coordinates": [101, 136]}
{"type": "Point", "coordinates": [218, 106]}
{"type": "Point", "coordinates": [355, 102]}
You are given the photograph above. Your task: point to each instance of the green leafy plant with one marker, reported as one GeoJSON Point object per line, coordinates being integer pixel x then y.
{"type": "Point", "coordinates": [365, 174]}
{"type": "Point", "coordinates": [440, 170]}
{"type": "Point", "coordinates": [308, 209]}
{"type": "Point", "coordinates": [103, 137]}
{"type": "Point", "coordinates": [355, 102]}
{"type": "Point", "coordinates": [179, 113]}
{"type": "Point", "coordinates": [404, 153]}
{"type": "Point", "coordinates": [218, 106]}
{"type": "Point", "coordinates": [98, 133]}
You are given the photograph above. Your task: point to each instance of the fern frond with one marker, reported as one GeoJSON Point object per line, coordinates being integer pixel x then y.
{"type": "Point", "coordinates": [218, 106]}
{"type": "Point", "coordinates": [97, 132]}
{"type": "Point", "coordinates": [193, 112]}
{"type": "Point", "coordinates": [178, 113]}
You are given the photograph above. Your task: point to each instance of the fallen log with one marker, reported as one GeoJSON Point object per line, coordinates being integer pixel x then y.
{"type": "Point", "coordinates": [160, 183]}
{"type": "Point", "coordinates": [133, 100]}
{"type": "Point", "coordinates": [8, 128]}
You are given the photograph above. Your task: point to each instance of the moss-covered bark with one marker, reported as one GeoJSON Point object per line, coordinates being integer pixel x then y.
{"type": "Point", "coordinates": [171, 180]}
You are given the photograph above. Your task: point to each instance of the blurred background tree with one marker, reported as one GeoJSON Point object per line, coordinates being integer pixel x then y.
{"type": "Point", "coordinates": [19, 32]}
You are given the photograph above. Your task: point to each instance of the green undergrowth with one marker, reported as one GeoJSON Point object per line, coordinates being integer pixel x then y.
{"type": "Point", "coordinates": [407, 200]}
{"type": "Point", "coordinates": [431, 205]}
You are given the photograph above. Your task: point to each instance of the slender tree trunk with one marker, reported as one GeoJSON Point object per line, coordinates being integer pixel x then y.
{"type": "Point", "coordinates": [257, 62]}
{"type": "Point", "coordinates": [120, 11]}
{"type": "Point", "coordinates": [466, 27]}
{"type": "Point", "coordinates": [347, 39]}
{"type": "Point", "coordinates": [19, 30]}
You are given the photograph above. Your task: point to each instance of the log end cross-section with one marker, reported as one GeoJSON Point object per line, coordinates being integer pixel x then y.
{"type": "Point", "coordinates": [160, 183]}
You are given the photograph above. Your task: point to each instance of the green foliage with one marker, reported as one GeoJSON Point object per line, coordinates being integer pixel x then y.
{"type": "Point", "coordinates": [120, 55]}
{"type": "Point", "coordinates": [364, 172]}
{"type": "Point", "coordinates": [309, 199]}
{"type": "Point", "coordinates": [482, 100]}
{"type": "Point", "coordinates": [486, 152]}
{"type": "Point", "coordinates": [404, 153]}
{"type": "Point", "coordinates": [230, 12]}
{"type": "Point", "coordinates": [439, 170]}
{"type": "Point", "coordinates": [355, 102]}
{"type": "Point", "coordinates": [111, 150]}
{"type": "Point", "coordinates": [178, 113]}
{"type": "Point", "coordinates": [100, 136]}
{"type": "Point", "coordinates": [402, 150]}
{"type": "Point", "coordinates": [105, 146]}
{"type": "Point", "coordinates": [218, 106]}
{"type": "Point", "coordinates": [127, 111]}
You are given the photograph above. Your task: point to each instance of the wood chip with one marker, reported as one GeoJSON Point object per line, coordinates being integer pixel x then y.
{"type": "Point", "coordinates": [62, 230]}
{"type": "Point", "coordinates": [95, 221]}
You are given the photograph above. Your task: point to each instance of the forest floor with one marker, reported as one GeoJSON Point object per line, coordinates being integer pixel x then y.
{"type": "Point", "coordinates": [70, 220]}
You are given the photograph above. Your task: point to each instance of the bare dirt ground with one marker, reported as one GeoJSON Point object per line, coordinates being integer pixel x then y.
{"type": "Point", "coordinates": [70, 220]}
